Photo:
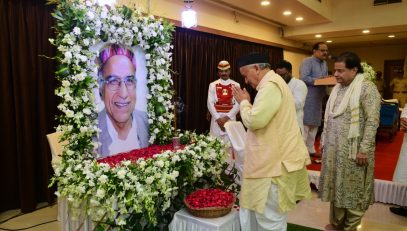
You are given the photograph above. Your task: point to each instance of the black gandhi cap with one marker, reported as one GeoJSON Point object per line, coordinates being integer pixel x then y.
{"type": "Point", "coordinates": [252, 58]}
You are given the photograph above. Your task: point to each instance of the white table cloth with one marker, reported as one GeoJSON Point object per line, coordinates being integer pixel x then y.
{"type": "Point", "coordinates": [183, 221]}
{"type": "Point", "coordinates": [237, 136]}
{"type": "Point", "coordinates": [385, 191]}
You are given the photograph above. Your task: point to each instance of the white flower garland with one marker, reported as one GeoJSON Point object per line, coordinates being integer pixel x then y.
{"type": "Point", "coordinates": [96, 24]}
{"type": "Point", "coordinates": [368, 71]}
{"type": "Point", "coordinates": [147, 187]}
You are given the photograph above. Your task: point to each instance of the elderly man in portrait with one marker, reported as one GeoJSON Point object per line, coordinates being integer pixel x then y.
{"type": "Point", "coordinates": [122, 127]}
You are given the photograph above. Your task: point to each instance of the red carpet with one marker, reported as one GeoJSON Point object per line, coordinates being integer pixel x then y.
{"type": "Point", "coordinates": [387, 154]}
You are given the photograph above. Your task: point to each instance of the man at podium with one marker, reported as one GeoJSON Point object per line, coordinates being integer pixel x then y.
{"type": "Point", "coordinates": [311, 69]}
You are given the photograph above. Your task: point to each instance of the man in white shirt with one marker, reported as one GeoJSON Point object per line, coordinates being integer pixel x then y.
{"type": "Point", "coordinates": [298, 89]}
{"type": "Point", "coordinates": [221, 104]}
{"type": "Point", "coordinates": [400, 174]}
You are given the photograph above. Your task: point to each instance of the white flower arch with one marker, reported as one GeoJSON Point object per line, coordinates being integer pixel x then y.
{"type": "Point", "coordinates": [145, 188]}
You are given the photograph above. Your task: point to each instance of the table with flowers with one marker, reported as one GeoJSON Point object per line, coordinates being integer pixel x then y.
{"type": "Point", "coordinates": [137, 191]}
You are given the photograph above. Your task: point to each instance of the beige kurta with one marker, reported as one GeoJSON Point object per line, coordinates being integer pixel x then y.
{"type": "Point", "coordinates": [342, 181]}
{"type": "Point", "coordinates": [275, 151]}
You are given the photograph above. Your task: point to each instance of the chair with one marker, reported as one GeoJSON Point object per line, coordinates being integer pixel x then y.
{"type": "Point", "coordinates": [389, 118]}
{"type": "Point", "coordinates": [56, 148]}
{"type": "Point", "coordinates": [56, 151]}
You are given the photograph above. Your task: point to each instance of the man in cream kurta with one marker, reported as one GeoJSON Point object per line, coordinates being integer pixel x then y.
{"type": "Point", "coordinates": [274, 173]}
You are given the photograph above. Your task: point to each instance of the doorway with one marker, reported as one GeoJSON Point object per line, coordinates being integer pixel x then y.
{"type": "Point", "coordinates": [392, 69]}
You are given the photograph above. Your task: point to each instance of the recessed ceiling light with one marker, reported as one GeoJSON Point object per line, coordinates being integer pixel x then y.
{"type": "Point", "coordinates": [265, 3]}
{"type": "Point", "coordinates": [299, 18]}
{"type": "Point", "coordinates": [366, 31]}
{"type": "Point", "coordinates": [391, 36]}
{"type": "Point", "coordinates": [318, 36]}
{"type": "Point", "coordinates": [328, 41]}
{"type": "Point", "coordinates": [287, 12]}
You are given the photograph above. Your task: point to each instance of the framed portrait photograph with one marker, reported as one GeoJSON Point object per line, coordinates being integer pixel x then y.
{"type": "Point", "coordinates": [121, 98]}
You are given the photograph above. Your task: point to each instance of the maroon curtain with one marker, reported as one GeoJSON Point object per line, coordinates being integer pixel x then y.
{"type": "Point", "coordinates": [27, 101]}
{"type": "Point", "coordinates": [196, 55]}
{"type": "Point", "coordinates": [29, 104]}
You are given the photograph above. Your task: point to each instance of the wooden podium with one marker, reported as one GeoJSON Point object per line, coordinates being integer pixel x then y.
{"type": "Point", "coordinates": [329, 80]}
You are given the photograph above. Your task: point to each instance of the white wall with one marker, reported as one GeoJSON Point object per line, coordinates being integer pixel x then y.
{"type": "Point", "coordinates": [375, 56]}
{"type": "Point", "coordinates": [217, 18]}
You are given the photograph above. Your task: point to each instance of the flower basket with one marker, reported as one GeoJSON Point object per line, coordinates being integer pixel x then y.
{"type": "Point", "coordinates": [223, 202]}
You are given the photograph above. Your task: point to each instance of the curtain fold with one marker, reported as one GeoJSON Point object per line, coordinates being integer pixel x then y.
{"type": "Point", "coordinates": [196, 56]}
{"type": "Point", "coordinates": [28, 103]}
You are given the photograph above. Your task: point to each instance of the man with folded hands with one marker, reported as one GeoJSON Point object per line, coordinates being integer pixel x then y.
{"type": "Point", "coordinates": [274, 172]}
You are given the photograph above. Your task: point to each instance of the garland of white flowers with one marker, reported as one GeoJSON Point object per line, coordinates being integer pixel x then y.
{"type": "Point", "coordinates": [81, 25]}
{"type": "Point", "coordinates": [368, 71]}
{"type": "Point", "coordinates": [148, 187]}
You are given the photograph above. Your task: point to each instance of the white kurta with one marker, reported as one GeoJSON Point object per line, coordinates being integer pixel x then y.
{"type": "Point", "coordinates": [299, 91]}
{"type": "Point", "coordinates": [400, 174]}
{"type": "Point", "coordinates": [212, 99]}
{"type": "Point", "coordinates": [118, 145]}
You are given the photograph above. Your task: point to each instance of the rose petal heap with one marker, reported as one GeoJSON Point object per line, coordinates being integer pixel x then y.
{"type": "Point", "coordinates": [207, 198]}
{"type": "Point", "coordinates": [136, 154]}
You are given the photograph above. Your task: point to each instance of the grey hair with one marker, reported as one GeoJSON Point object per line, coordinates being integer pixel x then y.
{"type": "Point", "coordinates": [263, 66]}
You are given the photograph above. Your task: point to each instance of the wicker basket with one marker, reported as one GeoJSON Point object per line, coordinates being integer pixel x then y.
{"type": "Point", "coordinates": [210, 212]}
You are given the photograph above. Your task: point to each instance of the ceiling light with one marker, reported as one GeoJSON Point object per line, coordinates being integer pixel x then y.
{"type": "Point", "coordinates": [366, 31]}
{"type": "Point", "coordinates": [188, 16]}
{"type": "Point", "coordinates": [106, 2]}
{"type": "Point", "coordinates": [328, 41]}
{"type": "Point", "coordinates": [299, 18]}
{"type": "Point", "coordinates": [287, 12]}
{"type": "Point", "coordinates": [265, 3]}
{"type": "Point", "coordinates": [318, 36]}
{"type": "Point", "coordinates": [391, 36]}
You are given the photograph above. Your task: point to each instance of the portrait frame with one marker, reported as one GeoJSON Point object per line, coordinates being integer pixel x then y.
{"type": "Point", "coordinates": [108, 144]}
{"type": "Point", "coordinates": [129, 193]}
{"type": "Point", "coordinates": [81, 26]}
{"type": "Point", "coordinates": [102, 24]}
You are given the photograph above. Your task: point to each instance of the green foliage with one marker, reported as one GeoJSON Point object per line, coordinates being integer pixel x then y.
{"type": "Point", "coordinates": [130, 196]}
